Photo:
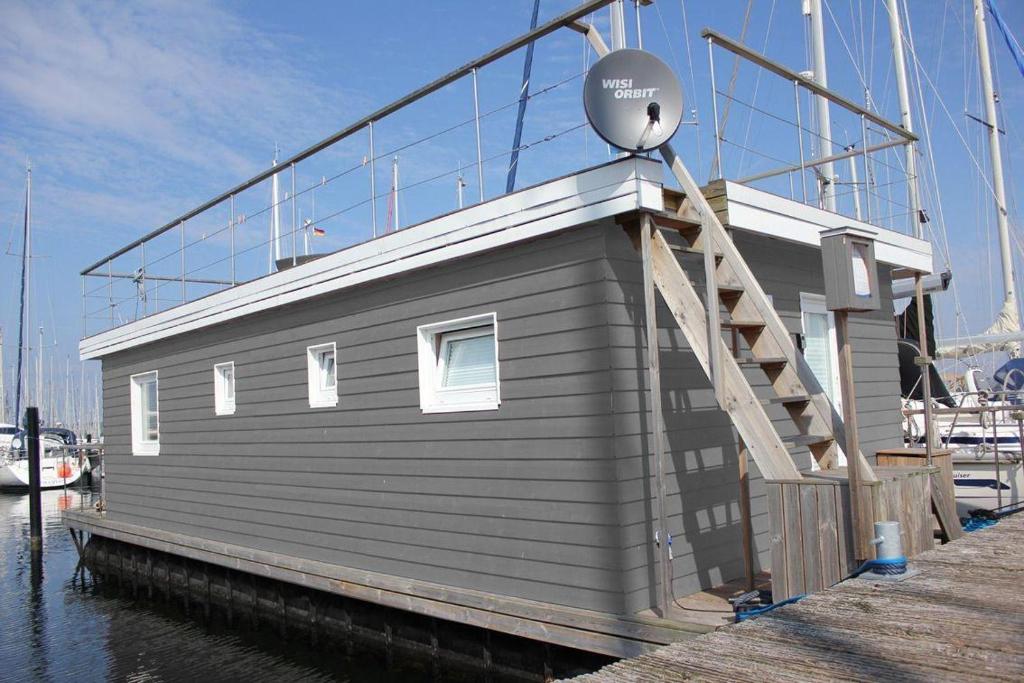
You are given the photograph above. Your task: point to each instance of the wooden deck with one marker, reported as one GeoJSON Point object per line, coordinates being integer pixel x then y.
{"type": "Point", "coordinates": [961, 618]}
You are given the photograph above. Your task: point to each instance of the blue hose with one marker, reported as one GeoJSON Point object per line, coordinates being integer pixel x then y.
{"type": "Point", "coordinates": [976, 523]}
{"type": "Point", "coordinates": [890, 566]}
{"type": "Point", "coordinates": [749, 614]}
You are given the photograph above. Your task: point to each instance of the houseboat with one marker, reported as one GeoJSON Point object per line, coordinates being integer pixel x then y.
{"type": "Point", "coordinates": [477, 417]}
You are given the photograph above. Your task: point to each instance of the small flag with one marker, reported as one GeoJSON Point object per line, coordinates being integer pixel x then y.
{"type": "Point", "coordinates": [319, 232]}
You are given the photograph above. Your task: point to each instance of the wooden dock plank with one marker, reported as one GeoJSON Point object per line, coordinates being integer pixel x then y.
{"type": "Point", "coordinates": [960, 618]}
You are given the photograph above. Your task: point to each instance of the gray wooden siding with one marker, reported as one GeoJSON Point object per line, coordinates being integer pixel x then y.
{"type": "Point", "coordinates": [703, 513]}
{"type": "Point", "coordinates": [547, 498]}
{"type": "Point", "coordinates": [518, 501]}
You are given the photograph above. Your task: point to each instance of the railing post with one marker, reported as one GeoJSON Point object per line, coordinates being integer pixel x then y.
{"type": "Point", "coordinates": [295, 251]}
{"type": "Point", "coordinates": [373, 184]}
{"type": "Point", "coordinates": [85, 316]}
{"type": "Point", "coordinates": [142, 278]}
{"type": "Point", "coordinates": [714, 109]}
{"type": "Point", "coordinates": [110, 292]}
{"type": "Point", "coordinates": [184, 295]}
{"type": "Point", "coordinates": [479, 147]}
{"type": "Point", "coordinates": [232, 237]}
{"type": "Point", "coordinates": [800, 140]}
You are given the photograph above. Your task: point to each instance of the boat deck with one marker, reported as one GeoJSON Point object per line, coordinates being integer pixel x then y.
{"type": "Point", "coordinates": [960, 618]}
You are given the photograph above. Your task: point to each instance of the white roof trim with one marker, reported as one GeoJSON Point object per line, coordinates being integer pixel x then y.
{"type": "Point", "coordinates": [768, 214]}
{"type": "Point", "coordinates": [591, 195]}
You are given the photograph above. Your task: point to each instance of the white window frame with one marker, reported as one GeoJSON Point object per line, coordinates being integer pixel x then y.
{"type": "Point", "coordinates": [139, 445]}
{"type": "Point", "coordinates": [432, 341]}
{"type": "Point", "coordinates": [815, 303]}
{"type": "Point", "coordinates": [222, 403]}
{"type": "Point", "coordinates": [320, 396]}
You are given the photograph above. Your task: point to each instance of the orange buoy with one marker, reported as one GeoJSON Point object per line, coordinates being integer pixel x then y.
{"type": "Point", "coordinates": [64, 502]}
{"type": "Point", "coordinates": [64, 470]}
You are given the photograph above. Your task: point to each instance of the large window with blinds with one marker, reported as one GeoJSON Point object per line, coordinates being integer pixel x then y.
{"type": "Point", "coordinates": [458, 365]}
{"type": "Point", "coordinates": [820, 346]}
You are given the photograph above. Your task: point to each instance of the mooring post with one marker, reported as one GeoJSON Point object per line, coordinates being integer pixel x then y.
{"type": "Point", "coordinates": [35, 506]}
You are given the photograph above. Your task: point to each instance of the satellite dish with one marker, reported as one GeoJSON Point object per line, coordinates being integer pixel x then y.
{"type": "Point", "coordinates": [633, 100]}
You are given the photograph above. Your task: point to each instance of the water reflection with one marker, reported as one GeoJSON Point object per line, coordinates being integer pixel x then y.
{"type": "Point", "coordinates": [61, 621]}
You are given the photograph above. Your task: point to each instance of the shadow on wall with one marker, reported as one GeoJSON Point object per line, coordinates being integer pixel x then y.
{"type": "Point", "coordinates": [702, 459]}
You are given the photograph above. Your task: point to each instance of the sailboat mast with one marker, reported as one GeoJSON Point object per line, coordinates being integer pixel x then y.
{"type": "Point", "coordinates": [913, 190]}
{"type": "Point", "coordinates": [998, 187]}
{"type": "Point", "coordinates": [20, 384]}
{"type": "Point", "coordinates": [3, 393]}
{"type": "Point", "coordinates": [39, 371]}
{"type": "Point", "coordinates": [826, 184]}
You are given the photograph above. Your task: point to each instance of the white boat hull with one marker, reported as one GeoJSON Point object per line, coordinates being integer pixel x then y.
{"type": "Point", "coordinates": [977, 485]}
{"type": "Point", "coordinates": [55, 473]}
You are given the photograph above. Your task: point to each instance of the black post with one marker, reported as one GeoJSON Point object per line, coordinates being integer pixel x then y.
{"type": "Point", "coordinates": [35, 507]}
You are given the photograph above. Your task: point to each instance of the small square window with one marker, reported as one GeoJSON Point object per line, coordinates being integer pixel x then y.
{"type": "Point", "coordinates": [145, 406]}
{"type": "Point", "coordinates": [458, 362]}
{"type": "Point", "coordinates": [224, 388]}
{"type": "Point", "coordinates": [321, 362]}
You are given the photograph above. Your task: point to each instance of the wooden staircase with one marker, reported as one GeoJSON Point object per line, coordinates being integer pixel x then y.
{"type": "Point", "coordinates": [750, 316]}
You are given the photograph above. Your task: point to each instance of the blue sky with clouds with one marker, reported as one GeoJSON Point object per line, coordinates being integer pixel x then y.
{"type": "Point", "coordinates": [132, 113]}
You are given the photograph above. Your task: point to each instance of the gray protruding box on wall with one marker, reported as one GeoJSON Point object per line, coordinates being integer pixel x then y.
{"type": "Point", "coordinates": [851, 274]}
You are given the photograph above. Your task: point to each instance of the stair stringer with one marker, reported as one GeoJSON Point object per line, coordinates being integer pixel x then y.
{"type": "Point", "coordinates": [744, 408]}
{"type": "Point", "coordinates": [774, 327]}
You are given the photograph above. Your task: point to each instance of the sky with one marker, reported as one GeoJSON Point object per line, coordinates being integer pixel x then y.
{"type": "Point", "coordinates": [133, 113]}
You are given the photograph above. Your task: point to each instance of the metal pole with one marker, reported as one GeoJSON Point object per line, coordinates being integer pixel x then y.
{"type": "Point", "coordinates": [639, 33]}
{"type": "Point", "coordinates": [654, 374]}
{"type": "Point", "coordinates": [142, 281]}
{"type": "Point", "coordinates": [913, 192]}
{"type": "Point", "coordinates": [110, 292]}
{"type": "Point", "coordinates": [855, 184]}
{"type": "Point", "coordinates": [183, 289]}
{"type": "Point", "coordinates": [479, 147]}
{"type": "Point", "coordinates": [714, 109]}
{"type": "Point", "coordinates": [828, 190]}
{"type": "Point", "coordinates": [35, 512]}
{"type": "Point", "coordinates": [800, 140]}
{"type": "Point", "coordinates": [998, 187]}
{"type": "Point", "coordinates": [618, 24]}
{"type": "Point", "coordinates": [373, 183]}
{"type": "Point", "coordinates": [232, 235]}
{"type": "Point", "coordinates": [394, 184]}
{"type": "Point", "coordinates": [867, 170]}
{"type": "Point", "coordinates": [295, 252]}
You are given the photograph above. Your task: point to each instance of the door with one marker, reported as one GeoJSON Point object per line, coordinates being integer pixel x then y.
{"type": "Point", "coordinates": [821, 350]}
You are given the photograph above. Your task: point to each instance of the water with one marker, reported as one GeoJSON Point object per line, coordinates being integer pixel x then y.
{"type": "Point", "coordinates": [64, 623]}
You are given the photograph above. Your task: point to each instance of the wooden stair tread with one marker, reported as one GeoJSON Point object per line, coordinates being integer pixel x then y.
{"type": "Point", "coordinates": [672, 221]}
{"type": "Point", "coordinates": [730, 291]}
{"type": "Point", "coordinates": [761, 362]}
{"type": "Point", "coordinates": [783, 400]}
{"type": "Point", "coordinates": [806, 439]}
{"type": "Point", "coordinates": [692, 250]}
{"type": "Point", "coordinates": [740, 323]}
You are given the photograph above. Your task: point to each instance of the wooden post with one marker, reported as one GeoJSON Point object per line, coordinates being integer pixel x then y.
{"type": "Point", "coordinates": [657, 426]}
{"type": "Point", "coordinates": [858, 515]}
{"type": "Point", "coordinates": [748, 535]}
{"type": "Point", "coordinates": [924, 362]}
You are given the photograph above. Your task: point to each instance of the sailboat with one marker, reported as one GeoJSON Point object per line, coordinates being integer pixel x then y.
{"type": "Point", "coordinates": [57, 467]}
{"type": "Point", "coordinates": [982, 428]}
